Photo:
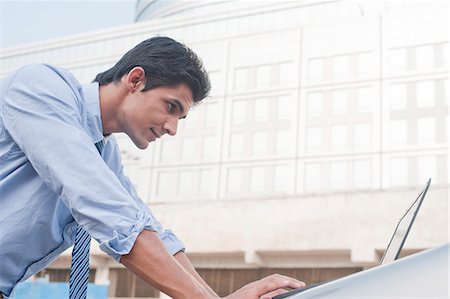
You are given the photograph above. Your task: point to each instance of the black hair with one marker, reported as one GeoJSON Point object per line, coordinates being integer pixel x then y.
{"type": "Point", "coordinates": [165, 62]}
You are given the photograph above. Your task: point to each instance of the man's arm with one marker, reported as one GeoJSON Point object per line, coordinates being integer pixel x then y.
{"type": "Point", "coordinates": [150, 260]}
{"type": "Point", "coordinates": [184, 261]}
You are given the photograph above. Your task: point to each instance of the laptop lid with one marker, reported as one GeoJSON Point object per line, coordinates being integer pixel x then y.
{"type": "Point", "coordinates": [403, 227]}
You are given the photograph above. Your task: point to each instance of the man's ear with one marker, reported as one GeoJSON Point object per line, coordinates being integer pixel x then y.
{"type": "Point", "coordinates": [135, 79]}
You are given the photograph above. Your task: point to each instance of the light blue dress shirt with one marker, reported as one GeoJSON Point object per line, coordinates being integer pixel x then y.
{"type": "Point", "coordinates": [52, 176]}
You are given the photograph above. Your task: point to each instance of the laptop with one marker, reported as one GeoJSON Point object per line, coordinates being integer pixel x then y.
{"type": "Point", "coordinates": [396, 243]}
{"type": "Point", "coordinates": [402, 230]}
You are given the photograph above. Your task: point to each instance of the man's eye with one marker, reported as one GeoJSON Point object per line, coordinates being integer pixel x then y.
{"type": "Point", "coordinates": [170, 107]}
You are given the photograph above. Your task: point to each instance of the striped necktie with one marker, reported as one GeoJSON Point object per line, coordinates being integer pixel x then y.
{"type": "Point", "coordinates": [79, 274]}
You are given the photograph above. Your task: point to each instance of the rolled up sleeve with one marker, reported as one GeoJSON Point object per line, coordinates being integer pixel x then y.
{"type": "Point", "coordinates": [112, 157]}
{"type": "Point", "coordinates": [44, 115]}
{"type": "Point", "coordinates": [171, 241]}
{"type": "Point", "coordinates": [120, 243]}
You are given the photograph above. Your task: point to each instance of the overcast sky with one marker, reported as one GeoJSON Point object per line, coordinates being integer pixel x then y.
{"type": "Point", "coordinates": [32, 21]}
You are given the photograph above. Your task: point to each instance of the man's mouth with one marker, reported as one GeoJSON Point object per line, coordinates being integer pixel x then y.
{"type": "Point", "coordinates": [155, 133]}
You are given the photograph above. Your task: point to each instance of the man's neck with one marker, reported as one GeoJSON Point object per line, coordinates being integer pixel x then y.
{"type": "Point", "coordinates": [111, 97]}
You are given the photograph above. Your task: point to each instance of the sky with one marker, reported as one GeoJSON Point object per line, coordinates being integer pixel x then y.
{"type": "Point", "coordinates": [24, 22]}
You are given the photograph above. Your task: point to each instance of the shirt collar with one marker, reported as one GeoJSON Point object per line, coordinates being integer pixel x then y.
{"type": "Point", "coordinates": [94, 120]}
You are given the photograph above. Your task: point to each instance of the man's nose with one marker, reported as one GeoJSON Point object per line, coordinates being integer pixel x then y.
{"type": "Point", "coordinates": [170, 126]}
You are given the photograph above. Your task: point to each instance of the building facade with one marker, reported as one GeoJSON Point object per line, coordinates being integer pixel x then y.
{"type": "Point", "coordinates": [325, 120]}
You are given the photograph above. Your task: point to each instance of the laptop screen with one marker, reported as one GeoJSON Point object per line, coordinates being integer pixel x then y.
{"type": "Point", "coordinates": [395, 245]}
{"type": "Point", "coordinates": [401, 231]}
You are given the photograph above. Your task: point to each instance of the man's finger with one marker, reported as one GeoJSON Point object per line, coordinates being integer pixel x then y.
{"type": "Point", "coordinates": [273, 294]}
{"type": "Point", "coordinates": [277, 281]}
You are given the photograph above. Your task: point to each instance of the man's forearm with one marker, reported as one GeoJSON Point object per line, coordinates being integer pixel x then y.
{"type": "Point", "coordinates": [150, 261]}
{"type": "Point", "coordinates": [184, 261]}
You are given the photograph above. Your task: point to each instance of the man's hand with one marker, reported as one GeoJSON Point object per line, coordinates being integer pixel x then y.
{"type": "Point", "coordinates": [176, 277]}
{"type": "Point", "coordinates": [266, 288]}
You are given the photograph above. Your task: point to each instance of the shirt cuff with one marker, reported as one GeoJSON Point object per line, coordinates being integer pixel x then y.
{"type": "Point", "coordinates": [121, 243]}
{"type": "Point", "coordinates": [171, 242]}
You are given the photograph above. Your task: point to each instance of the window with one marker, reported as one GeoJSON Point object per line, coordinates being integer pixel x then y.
{"type": "Point", "coordinates": [261, 109]}
{"type": "Point", "coordinates": [287, 73]}
{"type": "Point", "coordinates": [166, 183]}
{"type": "Point", "coordinates": [362, 135]}
{"type": "Point", "coordinates": [340, 66]}
{"type": "Point", "coordinates": [425, 94]}
{"type": "Point", "coordinates": [425, 56]}
{"type": "Point", "coordinates": [237, 144]}
{"type": "Point", "coordinates": [426, 131]}
{"type": "Point", "coordinates": [168, 151]}
{"type": "Point", "coordinates": [426, 168]}
{"type": "Point", "coordinates": [339, 101]}
{"type": "Point", "coordinates": [339, 137]}
{"type": "Point", "coordinates": [241, 79]}
{"type": "Point", "coordinates": [398, 132]}
{"type": "Point", "coordinates": [446, 126]}
{"type": "Point", "coordinates": [364, 99]}
{"type": "Point", "coordinates": [239, 111]}
{"type": "Point", "coordinates": [257, 183]}
{"type": "Point", "coordinates": [234, 180]}
{"type": "Point", "coordinates": [207, 181]}
{"type": "Point", "coordinates": [366, 63]}
{"type": "Point", "coordinates": [209, 146]}
{"type": "Point", "coordinates": [285, 107]}
{"type": "Point", "coordinates": [283, 141]}
{"type": "Point", "coordinates": [217, 83]}
{"type": "Point", "coordinates": [212, 113]}
{"type": "Point", "coordinates": [445, 52]}
{"type": "Point", "coordinates": [192, 118]}
{"type": "Point", "coordinates": [315, 104]}
{"type": "Point", "coordinates": [259, 142]}
{"type": "Point", "coordinates": [441, 169]}
{"type": "Point", "coordinates": [399, 171]}
{"type": "Point", "coordinates": [362, 174]}
{"type": "Point", "coordinates": [188, 183]}
{"type": "Point", "coordinates": [264, 76]}
{"type": "Point", "coordinates": [397, 59]}
{"type": "Point", "coordinates": [338, 175]}
{"type": "Point", "coordinates": [397, 96]}
{"type": "Point", "coordinates": [446, 90]}
{"type": "Point", "coordinates": [282, 176]}
{"type": "Point", "coordinates": [313, 138]}
{"type": "Point", "coordinates": [188, 148]}
{"type": "Point", "coordinates": [316, 69]}
{"type": "Point", "coordinates": [313, 177]}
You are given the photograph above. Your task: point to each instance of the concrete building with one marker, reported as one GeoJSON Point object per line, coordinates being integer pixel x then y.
{"type": "Point", "coordinates": [324, 122]}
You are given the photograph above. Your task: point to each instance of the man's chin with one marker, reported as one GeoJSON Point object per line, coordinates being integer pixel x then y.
{"type": "Point", "coordinates": [142, 144]}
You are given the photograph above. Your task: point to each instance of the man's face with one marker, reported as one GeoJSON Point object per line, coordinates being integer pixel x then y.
{"type": "Point", "coordinates": [149, 115]}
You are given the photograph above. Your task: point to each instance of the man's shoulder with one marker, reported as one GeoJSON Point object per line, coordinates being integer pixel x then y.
{"type": "Point", "coordinates": [47, 71]}
{"type": "Point", "coordinates": [41, 84]}
{"type": "Point", "coordinates": [43, 78]}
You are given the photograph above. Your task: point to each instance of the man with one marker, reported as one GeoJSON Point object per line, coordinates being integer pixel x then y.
{"type": "Point", "coordinates": [53, 181]}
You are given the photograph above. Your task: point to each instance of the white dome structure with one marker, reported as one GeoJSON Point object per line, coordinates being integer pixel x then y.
{"type": "Point", "coordinates": [155, 9]}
